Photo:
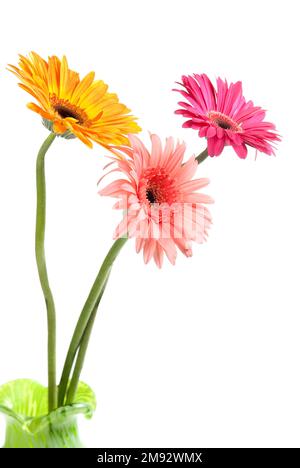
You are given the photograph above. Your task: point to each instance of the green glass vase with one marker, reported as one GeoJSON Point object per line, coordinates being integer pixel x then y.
{"type": "Point", "coordinates": [28, 424]}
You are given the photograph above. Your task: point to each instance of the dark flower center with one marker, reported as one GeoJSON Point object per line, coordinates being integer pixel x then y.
{"type": "Point", "coordinates": [224, 121]}
{"type": "Point", "coordinates": [157, 187]}
{"type": "Point", "coordinates": [64, 112]}
{"type": "Point", "coordinates": [66, 109]}
{"type": "Point", "coordinates": [222, 124]}
{"type": "Point", "coordinates": [150, 195]}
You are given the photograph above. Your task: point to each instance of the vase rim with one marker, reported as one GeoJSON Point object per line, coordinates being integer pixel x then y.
{"type": "Point", "coordinates": [20, 399]}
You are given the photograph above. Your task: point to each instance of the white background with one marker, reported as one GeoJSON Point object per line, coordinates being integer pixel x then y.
{"type": "Point", "coordinates": [202, 354]}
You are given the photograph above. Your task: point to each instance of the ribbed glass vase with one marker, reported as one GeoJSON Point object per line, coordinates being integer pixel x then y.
{"type": "Point", "coordinates": [28, 425]}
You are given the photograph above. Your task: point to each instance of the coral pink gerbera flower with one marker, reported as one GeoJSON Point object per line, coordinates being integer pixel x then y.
{"type": "Point", "coordinates": [224, 117]}
{"type": "Point", "coordinates": [161, 208]}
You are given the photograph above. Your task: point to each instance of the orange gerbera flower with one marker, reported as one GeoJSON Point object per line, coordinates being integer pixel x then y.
{"type": "Point", "coordinates": [71, 107]}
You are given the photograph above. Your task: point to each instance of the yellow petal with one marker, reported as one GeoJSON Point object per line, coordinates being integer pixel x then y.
{"type": "Point", "coordinates": [63, 77]}
{"type": "Point", "coordinates": [32, 106]}
{"type": "Point", "coordinates": [82, 87]}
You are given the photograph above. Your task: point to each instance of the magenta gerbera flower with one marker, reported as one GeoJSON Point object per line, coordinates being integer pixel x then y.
{"type": "Point", "coordinates": [224, 116]}
{"type": "Point", "coordinates": [161, 207]}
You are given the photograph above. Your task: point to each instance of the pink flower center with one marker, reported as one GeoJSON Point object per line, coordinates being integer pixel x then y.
{"type": "Point", "coordinates": [223, 121]}
{"type": "Point", "coordinates": [157, 187]}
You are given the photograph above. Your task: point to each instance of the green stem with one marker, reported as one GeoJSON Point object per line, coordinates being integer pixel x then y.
{"type": "Point", "coordinates": [202, 156]}
{"type": "Point", "coordinates": [82, 351]}
{"type": "Point", "coordinates": [85, 315]}
{"type": "Point", "coordinates": [42, 269]}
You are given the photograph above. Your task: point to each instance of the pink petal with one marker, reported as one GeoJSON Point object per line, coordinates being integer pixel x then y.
{"type": "Point", "coordinates": [241, 150]}
{"type": "Point", "coordinates": [156, 150]}
{"type": "Point", "coordinates": [114, 187]}
{"type": "Point", "coordinates": [149, 248]}
{"type": "Point", "coordinates": [187, 171]}
{"type": "Point", "coordinates": [192, 185]}
{"type": "Point", "coordinates": [211, 132]}
{"type": "Point", "coordinates": [158, 255]}
{"type": "Point", "coordinates": [169, 248]}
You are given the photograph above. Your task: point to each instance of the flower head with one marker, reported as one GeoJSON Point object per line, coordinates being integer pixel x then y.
{"type": "Point", "coordinates": [224, 117]}
{"type": "Point", "coordinates": [161, 208]}
{"type": "Point", "coordinates": [73, 107]}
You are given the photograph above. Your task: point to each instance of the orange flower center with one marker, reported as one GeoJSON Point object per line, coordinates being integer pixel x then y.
{"type": "Point", "coordinates": [157, 187]}
{"type": "Point", "coordinates": [65, 109]}
{"type": "Point", "coordinates": [223, 121]}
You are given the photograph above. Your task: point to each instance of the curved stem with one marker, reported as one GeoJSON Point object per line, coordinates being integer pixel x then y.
{"type": "Point", "coordinates": [85, 315]}
{"type": "Point", "coordinates": [82, 351]}
{"type": "Point", "coordinates": [42, 269]}
{"type": "Point", "coordinates": [202, 156]}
